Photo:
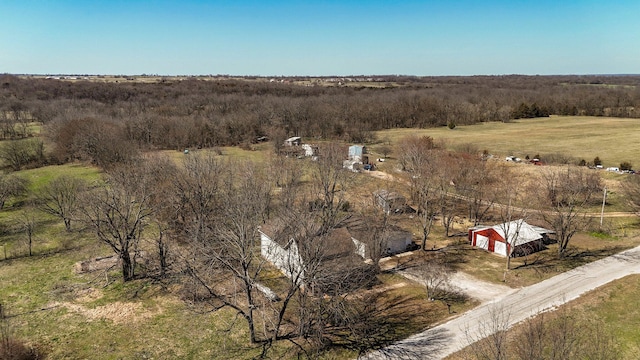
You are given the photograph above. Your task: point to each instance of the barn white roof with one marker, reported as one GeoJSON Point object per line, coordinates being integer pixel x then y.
{"type": "Point", "coordinates": [523, 232]}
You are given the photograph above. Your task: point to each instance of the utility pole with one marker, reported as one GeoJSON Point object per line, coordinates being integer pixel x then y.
{"type": "Point", "coordinates": [604, 199]}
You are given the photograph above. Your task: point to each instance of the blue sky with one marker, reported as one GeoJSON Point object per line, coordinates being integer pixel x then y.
{"type": "Point", "coordinates": [349, 37]}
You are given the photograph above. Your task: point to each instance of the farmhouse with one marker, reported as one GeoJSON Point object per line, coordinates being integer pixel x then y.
{"type": "Point", "coordinates": [524, 238]}
{"type": "Point", "coordinates": [294, 249]}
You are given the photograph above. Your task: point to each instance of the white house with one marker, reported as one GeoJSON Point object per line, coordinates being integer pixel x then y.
{"type": "Point", "coordinates": [292, 253]}
{"type": "Point", "coordinates": [283, 255]}
{"type": "Point", "coordinates": [512, 238]}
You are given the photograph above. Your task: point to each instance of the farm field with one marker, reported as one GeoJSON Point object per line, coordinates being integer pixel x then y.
{"type": "Point", "coordinates": [73, 315]}
{"type": "Point", "coordinates": [614, 140]}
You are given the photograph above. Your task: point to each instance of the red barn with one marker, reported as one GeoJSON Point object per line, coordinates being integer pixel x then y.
{"type": "Point", "coordinates": [522, 238]}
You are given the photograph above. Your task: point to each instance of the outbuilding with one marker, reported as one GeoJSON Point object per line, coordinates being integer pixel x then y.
{"type": "Point", "coordinates": [514, 238]}
{"type": "Point", "coordinates": [390, 202]}
{"type": "Point", "coordinates": [356, 152]}
{"type": "Point", "coordinates": [293, 141]}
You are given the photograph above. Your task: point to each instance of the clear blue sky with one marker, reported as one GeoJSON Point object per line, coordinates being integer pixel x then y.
{"type": "Point", "coordinates": [331, 37]}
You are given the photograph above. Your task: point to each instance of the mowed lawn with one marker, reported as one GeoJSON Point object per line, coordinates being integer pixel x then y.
{"type": "Point", "coordinates": [614, 140]}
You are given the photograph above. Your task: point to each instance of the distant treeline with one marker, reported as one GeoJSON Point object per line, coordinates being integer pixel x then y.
{"type": "Point", "coordinates": [84, 118]}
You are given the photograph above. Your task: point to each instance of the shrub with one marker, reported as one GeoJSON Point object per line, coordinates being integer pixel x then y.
{"type": "Point", "coordinates": [597, 161]}
{"type": "Point", "coordinates": [625, 165]}
{"type": "Point", "coordinates": [12, 349]}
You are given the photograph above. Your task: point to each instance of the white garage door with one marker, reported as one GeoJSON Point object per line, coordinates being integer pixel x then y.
{"type": "Point", "coordinates": [500, 248]}
{"type": "Point", "coordinates": [482, 242]}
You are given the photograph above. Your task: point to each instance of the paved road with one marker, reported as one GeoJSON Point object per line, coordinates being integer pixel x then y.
{"type": "Point", "coordinates": [445, 339]}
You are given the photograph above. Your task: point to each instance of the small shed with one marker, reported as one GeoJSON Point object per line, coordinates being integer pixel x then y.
{"type": "Point", "coordinates": [293, 141]}
{"type": "Point", "coordinates": [393, 241]}
{"type": "Point", "coordinates": [310, 150]}
{"type": "Point", "coordinates": [524, 238]}
{"type": "Point", "coordinates": [390, 202]}
{"type": "Point", "coordinates": [398, 241]}
{"type": "Point", "coordinates": [356, 152]}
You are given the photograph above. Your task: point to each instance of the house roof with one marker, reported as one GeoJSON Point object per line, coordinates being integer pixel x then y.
{"type": "Point", "coordinates": [525, 232]}
{"type": "Point", "coordinates": [518, 229]}
{"type": "Point", "coordinates": [338, 242]}
{"type": "Point", "coordinates": [280, 231]}
{"type": "Point", "coordinates": [335, 243]}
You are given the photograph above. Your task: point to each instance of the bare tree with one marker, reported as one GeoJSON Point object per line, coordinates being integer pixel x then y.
{"type": "Point", "coordinates": [448, 174]}
{"type": "Point", "coordinates": [568, 191]}
{"type": "Point", "coordinates": [372, 229]}
{"type": "Point", "coordinates": [427, 203]}
{"type": "Point", "coordinates": [418, 156]}
{"type": "Point", "coordinates": [20, 153]}
{"type": "Point", "coordinates": [488, 340]}
{"type": "Point", "coordinates": [598, 343]}
{"type": "Point", "coordinates": [631, 188]}
{"type": "Point", "coordinates": [561, 335]}
{"type": "Point", "coordinates": [286, 173]}
{"type": "Point", "coordinates": [385, 150]}
{"type": "Point", "coordinates": [61, 197]}
{"type": "Point", "coordinates": [511, 211]}
{"type": "Point", "coordinates": [11, 186]}
{"type": "Point", "coordinates": [118, 213]}
{"type": "Point", "coordinates": [197, 194]}
{"type": "Point", "coordinates": [225, 257]}
{"type": "Point", "coordinates": [162, 200]}
{"type": "Point", "coordinates": [437, 279]}
{"type": "Point", "coordinates": [531, 339]}
{"type": "Point", "coordinates": [29, 224]}
{"type": "Point", "coordinates": [414, 151]}
{"type": "Point", "coordinates": [330, 182]}
{"type": "Point", "coordinates": [477, 184]}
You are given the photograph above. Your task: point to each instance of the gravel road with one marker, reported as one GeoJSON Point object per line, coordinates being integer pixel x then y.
{"type": "Point", "coordinates": [445, 339]}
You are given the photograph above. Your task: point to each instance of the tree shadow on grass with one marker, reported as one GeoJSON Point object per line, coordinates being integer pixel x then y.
{"type": "Point", "coordinates": [572, 259]}
{"type": "Point", "coordinates": [378, 321]}
{"type": "Point", "coordinates": [577, 258]}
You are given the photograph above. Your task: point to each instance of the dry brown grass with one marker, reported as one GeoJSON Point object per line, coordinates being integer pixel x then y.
{"type": "Point", "coordinates": [612, 139]}
{"type": "Point", "coordinates": [609, 308]}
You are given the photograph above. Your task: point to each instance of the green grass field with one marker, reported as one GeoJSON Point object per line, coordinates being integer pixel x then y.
{"type": "Point", "coordinates": [614, 140]}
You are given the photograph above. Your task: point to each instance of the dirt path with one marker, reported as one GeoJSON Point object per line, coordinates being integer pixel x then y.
{"type": "Point", "coordinates": [518, 305]}
{"type": "Point", "coordinates": [478, 289]}
{"type": "Point", "coordinates": [389, 177]}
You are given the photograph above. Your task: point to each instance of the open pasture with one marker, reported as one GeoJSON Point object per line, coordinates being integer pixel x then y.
{"type": "Point", "coordinates": [613, 140]}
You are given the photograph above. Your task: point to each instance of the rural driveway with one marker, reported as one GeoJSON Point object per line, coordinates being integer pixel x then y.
{"type": "Point", "coordinates": [445, 339]}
